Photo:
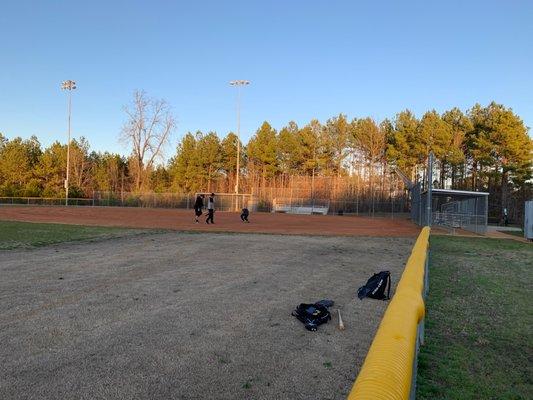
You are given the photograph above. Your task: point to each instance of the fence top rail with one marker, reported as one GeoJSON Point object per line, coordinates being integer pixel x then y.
{"type": "Point", "coordinates": [454, 192]}
{"type": "Point", "coordinates": [45, 198]}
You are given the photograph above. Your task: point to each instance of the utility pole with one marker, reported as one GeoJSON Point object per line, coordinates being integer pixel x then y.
{"type": "Point", "coordinates": [70, 86]}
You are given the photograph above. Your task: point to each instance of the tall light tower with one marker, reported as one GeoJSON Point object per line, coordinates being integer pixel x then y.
{"type": "Point", "coordinates": [70, 86]}
{"type": "Point", "coordinates": [238, 84]}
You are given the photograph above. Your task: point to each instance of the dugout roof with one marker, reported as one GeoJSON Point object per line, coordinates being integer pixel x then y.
{"type": "Point", "coordinates": [457, 193]}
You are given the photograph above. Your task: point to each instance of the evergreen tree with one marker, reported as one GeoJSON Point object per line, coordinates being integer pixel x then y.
{"type": "Point", "coordinates": [402, 149]}
{"type": "Point", "coordinates": [288, 149]}
{"type": "Point", "coordinates": [460, 126]}
{"type": "Point", "coordinates": [229, 155]}
{"type": "Point", "coordinates": [434, 135]}
{"type": "Point", "coordinates": [311, 155]}
{"type": "Point", "coordinates": [262, 152]}
{"type": "Point", "coordinates": [159, 179]}
{"type": "Point", "coordinates": [209, 155]}
{"type": "Point", "coordinates": [185, 166]}
{"type": "Point", "coordinates": [337, 132]}
{"type": "Point", "coordinates": [500, 143]}
{"type": "Point", "coordinates": [80, 168]}
{"type": "Point", "coordinates": [51, 170]}
{"type": "Point", "coordinates": [109, 172]}
{"type": "Point", "coordinates": [17, 166]}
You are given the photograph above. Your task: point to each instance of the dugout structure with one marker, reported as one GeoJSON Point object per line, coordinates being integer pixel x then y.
{"type": "Point", "coordinates": [450, 209]}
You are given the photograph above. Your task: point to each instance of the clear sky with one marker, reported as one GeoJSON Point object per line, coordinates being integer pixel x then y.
{"type": "Point", "coordinates": [305, 59]}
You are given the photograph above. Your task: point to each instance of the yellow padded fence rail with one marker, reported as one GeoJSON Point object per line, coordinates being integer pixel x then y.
{"type": "Point", "coordinates": [387, 372]}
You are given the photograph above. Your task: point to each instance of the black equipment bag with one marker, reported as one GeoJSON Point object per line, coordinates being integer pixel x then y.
{"type": "Point", "coordinates": [312, 315]}
{"type": "Point", "coordinates": [376, 286]}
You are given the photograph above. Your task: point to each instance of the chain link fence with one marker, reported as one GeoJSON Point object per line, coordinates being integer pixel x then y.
{"type": "Point", "coordinates": [394, 206]}
{"type": "Point", "coordinates": [45, 201]}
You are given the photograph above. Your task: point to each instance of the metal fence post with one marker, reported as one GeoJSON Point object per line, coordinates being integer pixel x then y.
{"type": "Point", "coordinates": [430, 186]}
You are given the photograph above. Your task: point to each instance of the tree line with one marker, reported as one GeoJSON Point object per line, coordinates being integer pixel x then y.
{"type": "Point", "coordinates": [484, 148]}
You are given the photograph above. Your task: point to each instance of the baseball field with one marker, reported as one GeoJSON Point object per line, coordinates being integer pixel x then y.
{"type": "Point", "coordinates": [143, 303]}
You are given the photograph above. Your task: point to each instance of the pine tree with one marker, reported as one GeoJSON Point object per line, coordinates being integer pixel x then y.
{"type": "Point", "coordinates": [209, 155]}
{"type": "Point", "coordinates": [184, 167]}
{"type": "Point", "coordinates": [434, 135]}
{"type": "Point", "coordinates": [51, 170]}
{"type": "Point", "coordinates": [288, 149]}
{"type": "Point", "coordinates": [229, 157]}
{"type": "Point", "coordinates": [402, 150]}
{"type": "Point", "coordinates": [337, 131]}
{"type": "Point", "coordinates": [501, 144]}
{"type": "Point", "coordinates": [262, 152]}
{"type": "Point", "coordinates": [460, 126]}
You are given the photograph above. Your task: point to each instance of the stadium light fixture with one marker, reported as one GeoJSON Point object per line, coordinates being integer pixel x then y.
{"type": "Point", "coordinates": [70, 86]}
{"type": "Point", "coordinates": [238, 84]}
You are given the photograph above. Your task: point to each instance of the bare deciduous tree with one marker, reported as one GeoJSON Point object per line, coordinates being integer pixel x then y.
{"type": "Point", "coordinates": [147, 130]}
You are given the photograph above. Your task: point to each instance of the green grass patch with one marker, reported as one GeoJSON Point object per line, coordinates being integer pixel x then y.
{"type": "Point", "coordinates": [514, 233]}
{"type": "Point", "coordinates": [479, 342]}
{"type": "Point", "coordinates": [27, 234]}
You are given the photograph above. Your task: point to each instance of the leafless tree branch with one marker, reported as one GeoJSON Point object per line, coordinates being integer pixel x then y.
{"type": "Point", "coordinates": [147, 130]}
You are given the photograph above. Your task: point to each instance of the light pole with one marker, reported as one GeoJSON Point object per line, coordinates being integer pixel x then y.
{"type": "Point", "coordinates": [238, 83]}
{"type": "Point", "coordinates": [70, 86]}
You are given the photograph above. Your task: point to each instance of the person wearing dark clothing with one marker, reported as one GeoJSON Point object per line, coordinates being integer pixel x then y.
{"type": "Point", "coordinates": [244, 215]}
{"type": "Point", "coordinates": [198, 206]}
{"type": "Point", "coordinates": [505, 217]}
{"type": "Point", "coordinates": [210, 209]}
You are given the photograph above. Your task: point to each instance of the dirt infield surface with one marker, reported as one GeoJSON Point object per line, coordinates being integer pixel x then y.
{"type": "Point", "coordinates": [224, 221]}
{"type": "Point", "coordinates": [179, 315]}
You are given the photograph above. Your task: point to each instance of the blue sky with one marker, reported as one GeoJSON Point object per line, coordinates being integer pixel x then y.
{"type": "Point", "coordinates": [305, 59]}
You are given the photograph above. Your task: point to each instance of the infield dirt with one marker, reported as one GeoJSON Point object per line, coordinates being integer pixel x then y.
{"type": "Point", "coordinates": [187, 316]}
{"type": "Point", "coordinates": [224, 221]}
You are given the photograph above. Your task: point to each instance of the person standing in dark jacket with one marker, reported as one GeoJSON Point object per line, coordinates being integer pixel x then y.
{"type": "Point", "coordinates": [198, 206]}
{"type": "Point", "coordinates": [210, 209]}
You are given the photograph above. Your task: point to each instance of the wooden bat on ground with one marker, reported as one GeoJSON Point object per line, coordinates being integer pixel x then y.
{"type": "Point", "coordinates": [341, 324]}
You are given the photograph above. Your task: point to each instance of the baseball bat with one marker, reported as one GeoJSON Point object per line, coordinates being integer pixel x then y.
{"type": "Point", "coordinates": [341, 324]}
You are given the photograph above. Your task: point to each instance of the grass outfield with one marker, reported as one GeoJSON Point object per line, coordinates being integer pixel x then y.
{"type": "Point", "coordinates": [479, 342]}
{"type": "Point", "coordinates": [26, 234]}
